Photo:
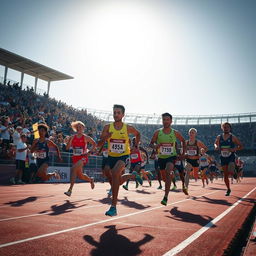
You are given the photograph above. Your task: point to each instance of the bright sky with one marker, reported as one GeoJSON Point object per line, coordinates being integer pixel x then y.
{"type": "Point", "coordinates": [184, 57]}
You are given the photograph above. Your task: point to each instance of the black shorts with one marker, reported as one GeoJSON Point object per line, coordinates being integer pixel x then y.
{"type": "Point", "coordinates": [104, 162]}
{"type": "Point", "coordinates": [213, 169]}
{"type": "Point", "coordinates": [156, 164]}
{"type": "Point", "coordinates": [203, 167]}
{"type": "Point", "coordinates": [193, 162]}
{"type": "Point", "coordinates": [180, 167]}
{"type": "Point", "coordinates": [133, 165]}
{"type": "Point", "coordinates": [33, 168]}
{"type": "Point", "coordinates": [163, 161]}
{"type": "Point", "coordinates": [113, 160]}
{"type": "Point", "coordinates": [20, 165]}
{"type": "Point", "coordinates": [226, 160]}
{"type": "Point", "coordinates": [40, 162]}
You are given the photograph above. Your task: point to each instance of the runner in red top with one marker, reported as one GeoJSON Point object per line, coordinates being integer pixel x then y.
{"type": "Point", "coordinates": [78, 142]}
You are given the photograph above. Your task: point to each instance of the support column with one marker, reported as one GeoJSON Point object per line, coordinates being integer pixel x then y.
{"type": "Point", "coordinates": [5, 74]}
{"type": "Point", "coordinates": [21, 80]}
{"type": "Point", "coordinates": [48, 87]}
{"type": "Point", "coordinates": [36, 79]}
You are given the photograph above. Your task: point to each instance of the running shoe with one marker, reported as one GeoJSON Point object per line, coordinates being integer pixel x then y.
{"type": "Point", "coordinates": [110, 192]}
{"type": "Point", "coordinates": [164, 201]}
{"type": "Point", "coordinates": [185, 190]}
{"type": "Point", "coordinates": [228, 192]}
{"type": "Point", "coordinates": [20, 182]}
{"type": "Point", "coordinates": [125, 187]}
{"type": "Point", "coordinates": [68, 193]}
{"type": "Point", "coordinates": [160, 187]}
{"type": "Point", "coordinates": [111, 212]}
{"type": "Point", "coordinates": [137, 177]}
{"type": "Point", "coordinates": [12, 180]}
{"type": "Point", "coordinates": [174, 188]}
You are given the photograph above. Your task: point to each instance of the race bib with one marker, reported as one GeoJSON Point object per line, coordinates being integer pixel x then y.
{"type": "Point", "coordinates": [166, 149]}
{"type": "Point", "coordinates": [117, 146]}
{"type": "Point", "coordinates": [178, 162]}
{"type": "Point", "coordinates": [41, 154]}
{"type": "Point", "coordinates": [77, 151]}
{"type": "Point", "coordinates": [192, 152]}
{"type": "Point", "coordinates": [225, 153]}
{"type": "Point", "coordinates": [134, 156]}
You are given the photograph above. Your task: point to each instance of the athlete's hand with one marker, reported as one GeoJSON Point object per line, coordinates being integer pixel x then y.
{"type": "Point", "coordinates": [217, 149]}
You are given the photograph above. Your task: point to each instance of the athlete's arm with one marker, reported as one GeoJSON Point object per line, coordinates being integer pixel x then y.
{"type": "Point", "coordinates": [104, 136]}
{"type": "Point", "coordinates": [69, 142]}
{"type": "Point", "coordinates": [91, 141]}
{"type": "Point", "coordinates": [182, 140]}
{"type": "Point", "coordinates": [201, 145]}
{"type": "Point", "coordinates": [34, 146]}
{"type": "Point", "coordinates": [217, 143]}
{"type": "Point", "coordinates": [238, 143]}
{"type": "Point", "coordinates": [52, 144]}
{"type": "Point", "coordinates": [146, 153]}
{"type": "Point", "coordinates": [132, 130]}
{"type": "Point", "coordinates": [153, 143]}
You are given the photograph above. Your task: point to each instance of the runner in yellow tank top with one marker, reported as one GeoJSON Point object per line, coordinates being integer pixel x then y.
{"type": "Point", "coordinates": [117, 135]}
{"type": "Point", "coordinates": [164, 140]}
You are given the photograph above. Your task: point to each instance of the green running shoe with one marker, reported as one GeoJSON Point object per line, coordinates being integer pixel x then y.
{"type": "Point", "coordinates": [137, 177]}
{"type": "Point", "coordinates": [174, 188]}
{"type": "Point", "coordinates": [125, 187]}
{"type": "Point", "coordinates": [164, 201]}
{"type": "Point", "coordinates": [111, 212]}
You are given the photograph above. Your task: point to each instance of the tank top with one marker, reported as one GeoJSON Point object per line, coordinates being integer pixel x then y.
{"type": "Point", "coordinates": [118, 143]}
{"type": "Point", "coordinates": [135, 155]}
{"type": "Point", "coordinates": [43, 150]}
{"type": "Point", "coordinates": [167, 144]}
{"type": "Point", "coordinates": [225, 145]}
{"type": "Point", "coordinates": [192, 150]}
{"type": "Point", "coordinates": [203, 161]}
{"type": "Point", "coordinates": [79, 145]}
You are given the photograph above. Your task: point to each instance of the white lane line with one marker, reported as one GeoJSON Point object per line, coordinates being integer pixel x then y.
{"type": "Point", "coordinates": [98, 222]}
{"type": "Point", "coordinates": [197, 234]}
{"type": "Point", "coordinates": [48, 213]}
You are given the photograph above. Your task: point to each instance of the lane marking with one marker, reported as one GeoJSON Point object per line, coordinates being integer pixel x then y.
{"type": "Point", "coordinates": [197, 234]}
{"type": "Point", "coordinates": [98, 222]}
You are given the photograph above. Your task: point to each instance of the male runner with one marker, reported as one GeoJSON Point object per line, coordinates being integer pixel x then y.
{"type": "Point", "coordinates": [164, 140]}
{"type": "Point", "coordinates": [227, 144]}
{"type": "Point", "coordinates": [117, 134]}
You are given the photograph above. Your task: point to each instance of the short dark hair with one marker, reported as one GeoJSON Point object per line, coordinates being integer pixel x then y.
{"type": "Point", "coordinates": [167, 114]}
{"type": "Point", "coordinates": [44, 126]}
{"type": "Point", "coordinates": [119, 106]}
{"type": "Point", "coordinates": [226, 123]}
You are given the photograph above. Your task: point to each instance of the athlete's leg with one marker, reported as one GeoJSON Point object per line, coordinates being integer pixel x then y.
{"type": "Point", "coordinates": [188, 168]}
{"type": "Point", "coordinates": [168, 177]}
{"type": "Point", "coordinates": [42, 172]}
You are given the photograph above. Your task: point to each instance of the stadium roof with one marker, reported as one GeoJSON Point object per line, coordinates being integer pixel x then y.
{"type": "Point", "coordinates": [29, 67]}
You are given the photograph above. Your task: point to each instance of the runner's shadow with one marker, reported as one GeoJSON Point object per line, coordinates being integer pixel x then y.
{"type": "Point", "coordinates": [189, 217]}
{"type": "Point", "coordinates": [133, 204]}
{"type": "Point", "coordinates": [63, 208]}
{"type": "Point", "coordinates": [23, 201]}
{"type": "Point", "coordinates": [126, 202]}
{"type": "Point", "coordinates": [113, 244]}
{"type": "Point", "coordinates": [210, 188]}
{"type": "Point", "coordinates": [144, 192]}
{"type": "Point", "coordinates": [212, 201]}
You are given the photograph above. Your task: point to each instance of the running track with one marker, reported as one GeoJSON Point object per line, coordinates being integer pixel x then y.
{"type": "Point", "coordinates": [38, 219]}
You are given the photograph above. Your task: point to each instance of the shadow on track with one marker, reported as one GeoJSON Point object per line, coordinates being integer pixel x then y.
{"type": "Point", "coordinates": [112, 243]}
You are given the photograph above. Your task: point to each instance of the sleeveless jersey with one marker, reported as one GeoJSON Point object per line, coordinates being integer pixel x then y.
{"type": "Point", "coordinates": [135, 155]}
{"type": "Point", "coordinates": [43, 150]}
{"type": "Point", "coordinates": [225, 145]}
{"type": "Point", "coordinates": [118, 143]}
{"type": "Point", "coordinates": [79, 145]}
{"type": "Point", "coordinates": [192, 150]}
{"type": "Point", "coordinates": [203, 161]}
{"type": "Point", "coordinates": [167, 144]}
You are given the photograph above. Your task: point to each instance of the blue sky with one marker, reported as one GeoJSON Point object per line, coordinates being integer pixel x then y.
{"type": "Point", "coordinates": [186, 57]}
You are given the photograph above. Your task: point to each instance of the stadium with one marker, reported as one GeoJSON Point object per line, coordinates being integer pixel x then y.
{"type": "Point", "coordinates": [127, 128]}
{"type": "Point", "coordinates": [22, 106]}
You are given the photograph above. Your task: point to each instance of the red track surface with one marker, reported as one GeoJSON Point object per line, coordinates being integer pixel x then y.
{"type": "Point", "coordinates": [142, 227]}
